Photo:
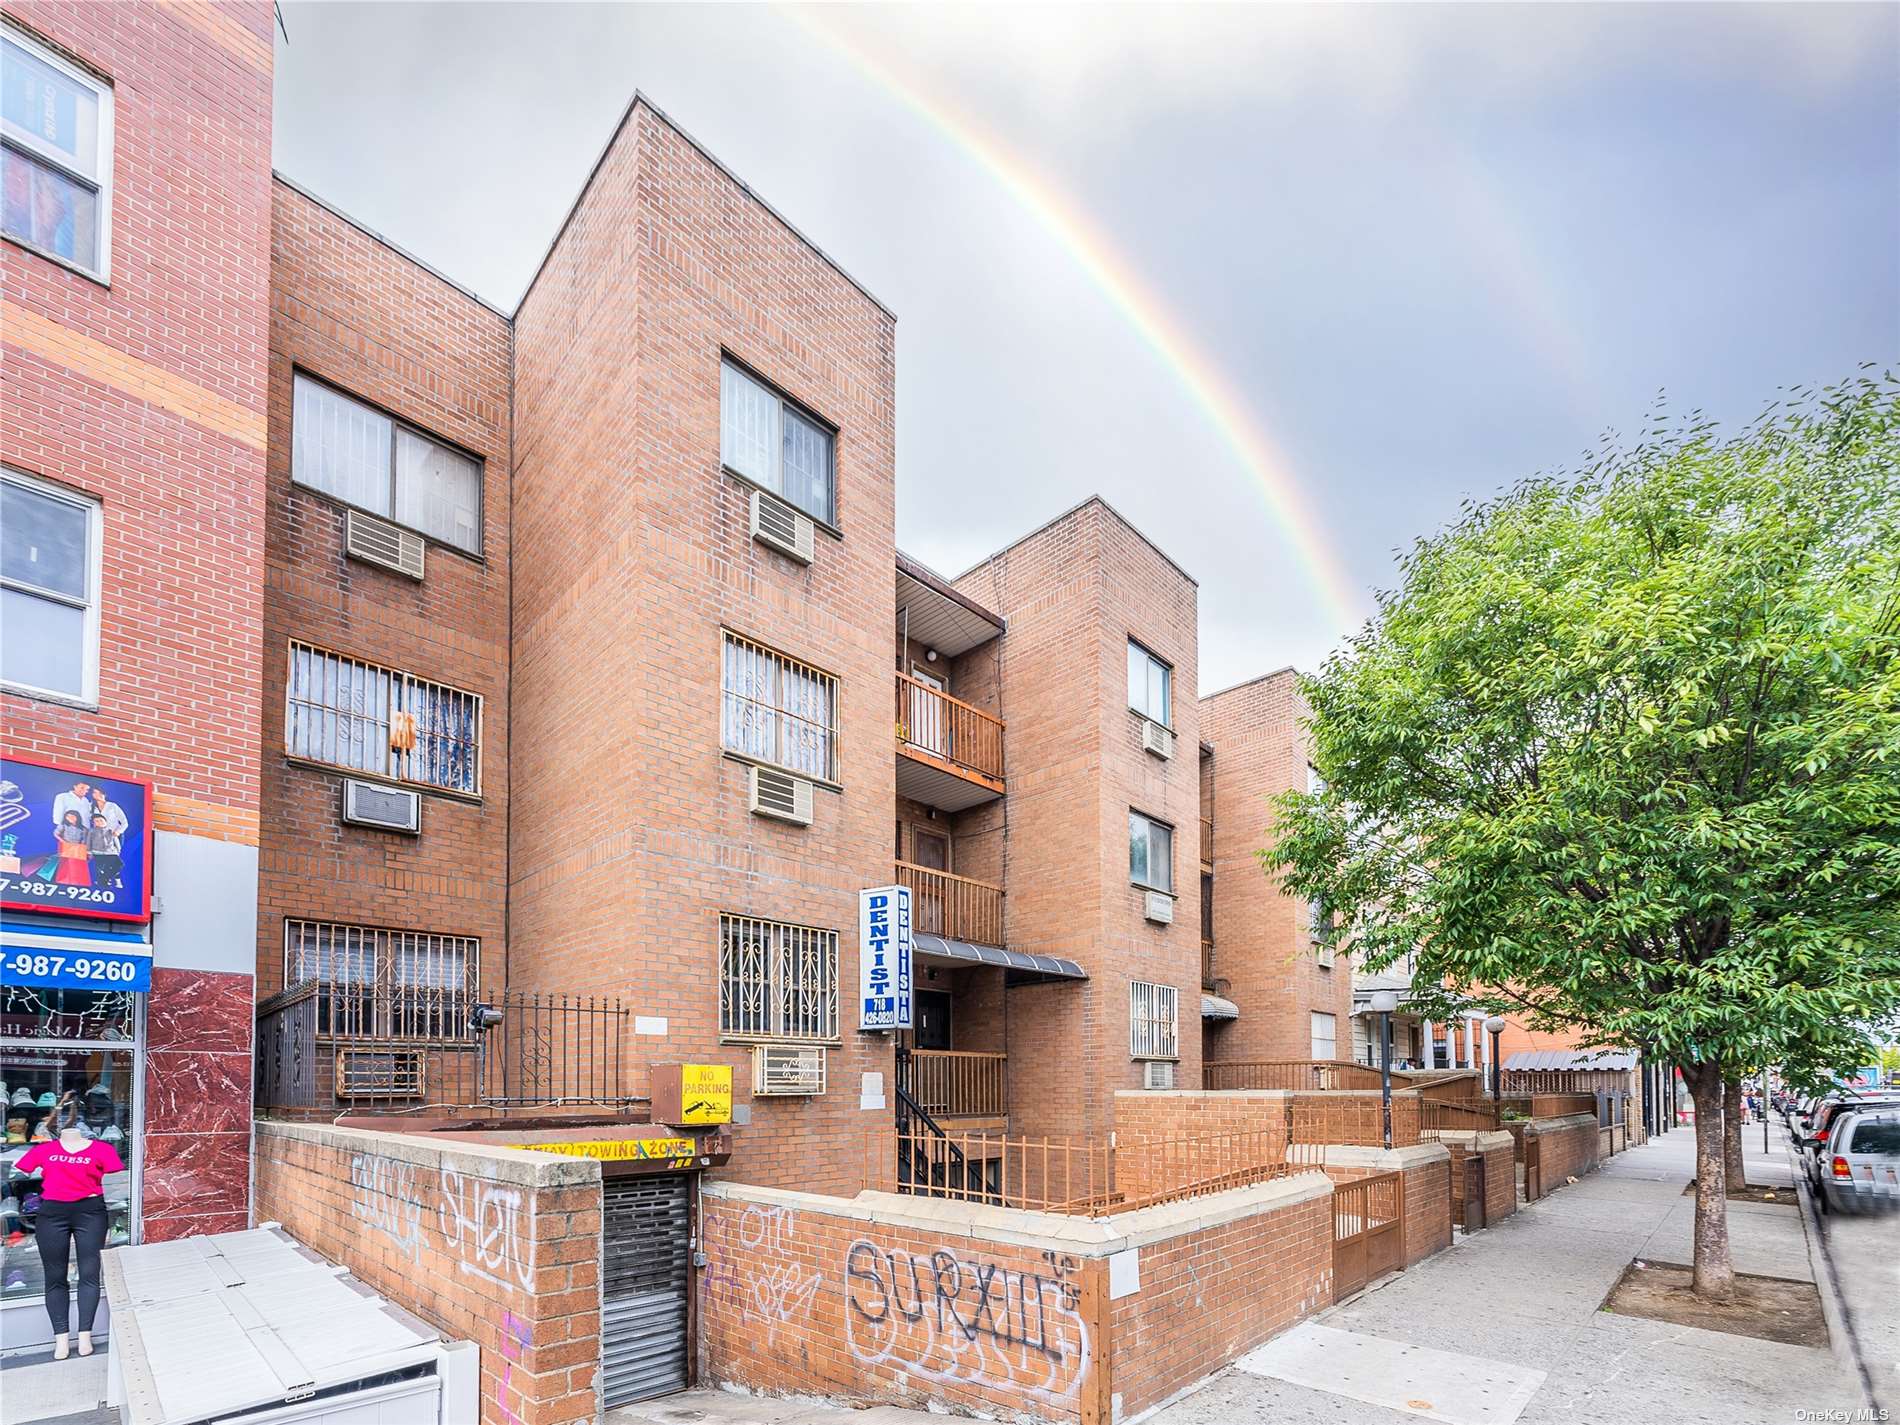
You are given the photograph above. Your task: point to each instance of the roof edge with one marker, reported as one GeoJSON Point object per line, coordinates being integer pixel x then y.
{"type": "Point", "coordinates": [937, 584]}
{"type": "Point", "coordinates": [1249, 682]}
{"type": "Point", "coordinates": [1080, 505]}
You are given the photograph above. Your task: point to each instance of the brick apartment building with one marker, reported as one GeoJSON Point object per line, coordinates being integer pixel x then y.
{"type": "Point", "coordinates": [134, 290]}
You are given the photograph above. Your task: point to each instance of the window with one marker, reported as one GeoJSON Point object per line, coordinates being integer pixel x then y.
{"type": "Point", "coordinates": [777, 981]}
{"type": "Point", "coordinates": [344, 712]}
{"type": "Point", "coordinates": [772, 443]}
{"type": "Point", "coordinates": [1321, 930]}
{"type": "Point", "coordinates": [778, 711]}
{"type": "Point", "coordinates": [1148, 679]}
{"type": "Point", "coordinates": [1150, 853]}
{"type": "Point", "coordinates": [362, 457]}
{"type": "Point", "coordinates": [55, 155]}
{"type": "Point", "coordinates": [1325, 1037]}
{"type": "Point", "coordinates": [49, 589]}
{"type": "Point", "coordinates": [384, 984]}
{"type": "Point", "coordinates": [1153, 1021]}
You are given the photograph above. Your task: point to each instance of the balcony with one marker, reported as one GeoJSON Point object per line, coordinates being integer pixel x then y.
{"type": "Point", "coordinates": [958, 1083]}
{"type": "Point", "coordinates": [950, 753]}
{"type": "Point", "coordinates": [954, 907]}
{"type": "Point", "coordinates": [1207, 841]}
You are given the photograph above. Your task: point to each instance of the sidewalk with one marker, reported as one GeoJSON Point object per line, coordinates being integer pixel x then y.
{"type": "Point", "coordinates": [1510, 1321]}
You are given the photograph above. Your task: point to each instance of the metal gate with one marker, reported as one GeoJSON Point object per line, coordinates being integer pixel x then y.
{"type": "Point", "coordinates": [1368, 1231]}
{"type": "Point", "coordinates": [645, 1273]}
{"type": "Point", "coordinates": [1474, 1192]}
{"type": "Point", "coordinates": [1533, 1169]}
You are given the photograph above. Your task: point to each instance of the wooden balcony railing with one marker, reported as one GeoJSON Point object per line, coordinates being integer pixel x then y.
{"type": "Point", "coordinates": [1207, 841]}
{"type": "Point", "coordinates": [953, 906]}
{"type": "Point", "coordinates": [937, 726]}
{"type": "Point", "coordinates": [960, 1083]}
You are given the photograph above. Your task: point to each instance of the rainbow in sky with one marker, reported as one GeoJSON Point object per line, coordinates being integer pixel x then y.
{"type": "Point", "coordinates": [1145, 311]}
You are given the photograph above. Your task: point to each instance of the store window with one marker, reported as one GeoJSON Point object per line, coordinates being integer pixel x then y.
{"type": "Point", "coordinates": [62, 1049]}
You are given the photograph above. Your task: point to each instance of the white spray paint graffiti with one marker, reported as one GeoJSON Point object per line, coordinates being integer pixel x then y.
{"type": "Point", "coordinates": [753, 1267]}
{"type": "Point", "coordinates": [487, 1228]}
{"type": "Point", "coordinates": [951, 1319]}
{"type": "Point", "coordinates": [383, 1196]}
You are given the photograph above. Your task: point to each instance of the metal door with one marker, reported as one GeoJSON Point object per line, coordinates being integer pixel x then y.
{"type": "Point", "coordinates": [1474, 1192]}
{"type": "Point", "coordinates": [645, 1273]}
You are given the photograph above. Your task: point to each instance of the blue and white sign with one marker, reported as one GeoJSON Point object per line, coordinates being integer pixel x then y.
{"type": "Point", "coordinates": [884, 958]}
{"type": "Point", "coordinates": [75, 960]}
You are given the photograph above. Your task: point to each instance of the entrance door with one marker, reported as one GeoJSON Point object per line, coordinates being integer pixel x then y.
{"type": "Point", "coordinates": [930, 909]}
{"type": "Point", "coordinates": [929, 716]}
{"type": "Point", "coordinates": [646, 1255]}
{"type": "Point", "coordinates": [933, 1019]}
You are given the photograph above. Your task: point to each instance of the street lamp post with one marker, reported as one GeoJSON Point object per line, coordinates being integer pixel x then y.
{"type": "Point", "coordinates": [1384, 1002]}
{"type": "Point", "coordinates": [1494, 1026]}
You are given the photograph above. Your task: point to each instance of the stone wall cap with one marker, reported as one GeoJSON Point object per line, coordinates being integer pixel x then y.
{"type": "Point", "coordinates": [518, 1167]}
{"type": "Point", "coordinates": [1563, 1124]}
{"type": "Point", "coordinates": [1352, 1155]}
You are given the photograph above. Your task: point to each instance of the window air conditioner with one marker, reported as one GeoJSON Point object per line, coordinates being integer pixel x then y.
{"type": "Point", "coordinates": [381, 543]}
{"type": "Point", "coordinates": [784, 1070]}
{"type": "Point", "coordinates": [779, 795]}
{"type": "Point", "coordinates": [777, 525]}
{"type": "Point", "coordinates": [1158, 1074]}
{"type": "Point", "coordinates": [1159, 908]}
{"type": "Point", "coordinates": [1156, 739]}
{"type": "Point", "coordinates": [379, 1073]}
{"type": "Point", "coordinates": [385, 808]}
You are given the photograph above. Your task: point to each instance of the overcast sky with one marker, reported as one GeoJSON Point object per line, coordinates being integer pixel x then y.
{"type": "Point", "coordinates": [1428, 250]}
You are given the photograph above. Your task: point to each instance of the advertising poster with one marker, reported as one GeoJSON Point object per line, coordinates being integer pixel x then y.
{"type": "Point", "coordinates": [74, 840]}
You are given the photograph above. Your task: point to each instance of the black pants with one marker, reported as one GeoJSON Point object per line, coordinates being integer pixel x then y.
{"type": "Point", "coordinates": [83, 1222]}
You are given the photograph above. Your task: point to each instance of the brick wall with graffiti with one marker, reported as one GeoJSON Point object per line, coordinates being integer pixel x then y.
{"type": "Point", "coordinates": [494, 1246]}
{"type": "Point", "coordinates": [1013, 1315]}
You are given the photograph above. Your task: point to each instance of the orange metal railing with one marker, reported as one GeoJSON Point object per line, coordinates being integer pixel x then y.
{"type": "Point", "coordinates": [1290, 1074]}
{"type": "Point", "coordinates": [959, 1083]}
{"type": "Point", "coordinates": [955, 906]}
{"type": "Point", "coordinates": [931, 722]}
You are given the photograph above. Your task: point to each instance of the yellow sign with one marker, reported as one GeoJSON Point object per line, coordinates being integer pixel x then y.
{"type": "Point", "coordinates": [705, 1093]}
{"type": "Point", "coordinates": [621, 1149]}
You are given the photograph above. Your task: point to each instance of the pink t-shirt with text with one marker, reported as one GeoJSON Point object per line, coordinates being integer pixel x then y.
{"type": "Point", "coordinates": [69, 1177]}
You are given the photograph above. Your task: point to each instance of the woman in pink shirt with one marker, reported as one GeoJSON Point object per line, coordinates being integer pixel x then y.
{"type": "Point", "coordinates": [72, 1171]}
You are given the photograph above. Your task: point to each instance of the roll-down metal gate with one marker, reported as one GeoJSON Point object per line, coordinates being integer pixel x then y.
{"type": "Point", "coordinates": [645, 1273]}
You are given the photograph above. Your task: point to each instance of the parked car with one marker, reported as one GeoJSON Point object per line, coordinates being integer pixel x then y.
{"type": "Point", "coordinates": [1863, 1161]}
{"type": "Point", "coordinates": [1813, 1138]}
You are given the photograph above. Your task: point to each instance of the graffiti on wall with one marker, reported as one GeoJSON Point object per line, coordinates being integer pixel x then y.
{"type": "Point", "coordinates": [753, 1266]}
{"type": "Point", "coordinates": [488, 1228]}
{"type": "Point", "coordinates": [384, 1198]}
{"type": "Point", "coordinates": [516, 1335]}
{"type": "Point", "coordinates": [954, 1318]}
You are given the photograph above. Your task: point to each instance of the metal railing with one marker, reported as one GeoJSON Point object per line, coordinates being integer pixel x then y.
{"type": "Point", "coordinates": [931, 722]}
{"type": "Point", "coordinates": [956, 906]}
{"type": "Point", "coordinates": [1437, 1116]}
{"type": "Point", "coordinates": [956, 1083]}
{"type": "Point", "coordinates": [544, 1050]}
{"type": "Point", "coordinates": [1529, 1081]}
{"type": "Point", "coordinates": [360, 716]}
{"type": "Point", "coordinates": [1207, 841]}
{"type": "Point", "coordinates": [1289, 1074]}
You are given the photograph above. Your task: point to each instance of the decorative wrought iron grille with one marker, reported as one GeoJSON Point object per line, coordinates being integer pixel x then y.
{"type": "Point", "coordinates": [777, 981]}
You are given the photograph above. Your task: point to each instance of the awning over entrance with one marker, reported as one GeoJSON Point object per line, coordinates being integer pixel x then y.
{"type": "Point", "coordinates": [949, 949]}
{"type": "Point", "coordinates": [1214, 1007]}
{"type": "Point", "coordinates": [1611, 1061]}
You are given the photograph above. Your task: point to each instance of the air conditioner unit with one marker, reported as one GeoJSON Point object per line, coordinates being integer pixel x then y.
{"type": "Point", "coordinates": [385, 808]}
{"type": "Point", "coordinates": [1156, 739]}
{"type": "Point", "coordinates": [1158, 1074]}
{"type": "Point", "coordinates": [379, 1073]}
{"type": "Point", "coordinates": [381, 543]}
{"type": "Point", "coordinates": [1159, 908]}
{"type": "Point", "coordinates": [784, 1070]}
{"type": "Point", "coordinates": [777, 525]}
{"type": "Point", "coordinates": [1324, 953]}
{"type": "Point", "coordinates": [779, 795]}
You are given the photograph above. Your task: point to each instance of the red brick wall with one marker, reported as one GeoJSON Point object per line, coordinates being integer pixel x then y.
{"type": "Point", "coordinates": [629, 832]}
{"type": "Point", "coordinates": [1569, 1147]}
{"type": "Point", "coordinates": [1500, 1175]}
{"type": "Point", "coordinates": [371, 322]}
{"type": "Point", "coordinates": [493, 1246]}
{"type": "Point", "coordinates": [1262, 949]}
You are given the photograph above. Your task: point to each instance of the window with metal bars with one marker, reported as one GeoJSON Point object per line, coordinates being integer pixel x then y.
{"type": "Point", "coordinates": [778, 710]}
{"type": "Point", "coordinates": [384, 984]}
{"type": "Point", "coordinates": [777, 981]}
{"type": "Point", "coordinates": [1153, 1021]}
{"type": "Point", "coordinates": [349, 713]}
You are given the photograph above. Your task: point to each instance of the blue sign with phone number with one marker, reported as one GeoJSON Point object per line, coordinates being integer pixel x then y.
{"type": "Point", "coordinates": [75, 970]}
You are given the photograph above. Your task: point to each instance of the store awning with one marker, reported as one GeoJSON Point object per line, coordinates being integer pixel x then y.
{"type": "Point", "coordinates": [948, 949]}
{"type": "Point", "coordinates": [1214, 1007]}
{"type": "Point", "coordinates": [1603, 1061]}
{"type": "Point", "coordinates": [74, 957]}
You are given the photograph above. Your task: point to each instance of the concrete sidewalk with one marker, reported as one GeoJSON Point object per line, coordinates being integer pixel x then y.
{"type": "Point", "coordinates": [1514, 1310]}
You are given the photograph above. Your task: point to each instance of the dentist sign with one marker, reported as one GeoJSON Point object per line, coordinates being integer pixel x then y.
{"type": "Point", "coordinates": [884, 958]}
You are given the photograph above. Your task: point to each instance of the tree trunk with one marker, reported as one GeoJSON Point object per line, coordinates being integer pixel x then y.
{"type": "Point", "coordinates": [1732, 1135]}
{"type": "Point", "coordinates": [1714, 1266]}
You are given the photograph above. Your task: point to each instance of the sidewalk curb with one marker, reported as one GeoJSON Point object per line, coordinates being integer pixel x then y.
{"type": "Point", "coordinates": [1846, 1346]}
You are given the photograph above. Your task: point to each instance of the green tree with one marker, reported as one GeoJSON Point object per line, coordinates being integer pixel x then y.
{"type": "Point", "coordinates": [1622, 754]}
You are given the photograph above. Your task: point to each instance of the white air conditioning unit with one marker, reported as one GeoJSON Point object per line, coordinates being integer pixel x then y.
{"type": "Point", "coordinates": [385, 808]}
{"type": "Point", "coordinates": [1158, 1074]}
{"type": "Point", "coordinates": [779, 795]}
{"type": "Point", "coordinates": [777, 525]}
{"type": "Point", "coordinates": [1156, 739]}
{"type": "Point", "coordinates": [381, 543]}
{"type": "Point", "coordinates": [784, 1070]}
{"type": "Point", "coordinates": [1159, 908]}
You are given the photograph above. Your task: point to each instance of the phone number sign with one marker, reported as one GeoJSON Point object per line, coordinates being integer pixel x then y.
{"type": "Point", "coordinates": [74, 840]}
{"type": "Point", "coordinates": [74, 970]}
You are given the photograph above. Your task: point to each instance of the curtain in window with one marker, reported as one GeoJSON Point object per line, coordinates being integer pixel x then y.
{"type": "Point", "coordinates": [331, 954]}
{"type": "Point", "coordinates": [808, 729]}
{"type": "Point", "coordinates": [807, 466]}
{"type": "Point", "coordinates": [748, 427]}
{"type": "Point", "coordinates": [438, 491]}
{"type": "Point", "coordinates": [340, 447]}
{"type": "Point", "coordinates": [750, 719]}
{"type": "Point", "coordinates": [337, 711]}
{"type": "Point", "coordinates": [444, 754]}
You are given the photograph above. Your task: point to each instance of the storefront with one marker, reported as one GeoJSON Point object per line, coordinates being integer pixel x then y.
{"type": "Point", "coordinates": [75, 970]}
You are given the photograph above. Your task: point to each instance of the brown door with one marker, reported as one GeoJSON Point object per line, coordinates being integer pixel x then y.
{"type": "Point", "coordinates": [930, 904]}
{"type": "Point", "coordinates": [933, 1020]}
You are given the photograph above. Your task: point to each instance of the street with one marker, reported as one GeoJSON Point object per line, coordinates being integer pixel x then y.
{"type": "Point", "coordinates": [1863, 1252]}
